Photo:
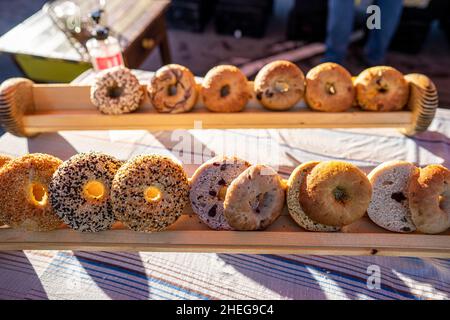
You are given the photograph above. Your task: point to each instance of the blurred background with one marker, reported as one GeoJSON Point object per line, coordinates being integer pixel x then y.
{"type": "Point", "coordinates": [203, 33]}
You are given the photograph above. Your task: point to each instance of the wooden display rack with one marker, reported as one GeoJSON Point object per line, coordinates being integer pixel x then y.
{"type": "Point", "coordinates": [27, 109]}
{"type": "Point", "coordinates": [188, 234]}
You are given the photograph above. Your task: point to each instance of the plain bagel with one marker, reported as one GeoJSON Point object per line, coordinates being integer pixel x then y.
{"type": "Point", "coordinates": [430, 199]}
{"type": "Point", "coordinates": [297, 182]}
{"type": "Point", "coordinates": [279, 85]}
{"type": "Point", "coordinates": [254, 199]}
{"type": "Point", "coordinates": [225, 89]}
{"type": "Point", "coordinates": [337, 193]}
{"type": "Point", "coordinates": [329, 87]}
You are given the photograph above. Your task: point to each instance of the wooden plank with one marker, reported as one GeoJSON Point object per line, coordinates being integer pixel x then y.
{"type": "Point", "coordinates": [189, 235]}
{"type": "Point", "coordinates": [63, 107]}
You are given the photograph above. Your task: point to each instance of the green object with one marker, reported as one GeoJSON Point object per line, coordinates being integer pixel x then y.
{"type": "Point", "coordinates": [50, 70]}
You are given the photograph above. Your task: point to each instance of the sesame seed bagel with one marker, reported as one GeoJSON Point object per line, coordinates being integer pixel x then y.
{"type": "Point", "coordinates": [329, 87]}
{"type": "Point", "coordinates": [279, 85]}
{"type": "Point", "coordinates": [209, 186]}
{"type": "Point", "coordinates": [173, 89]}
{"type": "Point", "coordinates": [24, 184]}
{"type": "Point", "coordinates": [389, 207]}
{"type": "Point", "coordinates": [336, 194]}
{"type": "Point", "coordinates": [149, 193]}
{"type": "Point", "coordinates": [80, 191]}
{"type": "Point", "coordinates": [116, 91]}
{"type": "Point", "coordinates": [4, 160]}
{"type": "Point", "coordinates": [381, 89]}
{"type": "Point", "coordinates": [225, 89]}
{"type": "Point", "coordinates": [254, 199]}
{"type": "Point", "coordinates": [430, 199]}
{"type": "Point", "coordinates": [296, 182]}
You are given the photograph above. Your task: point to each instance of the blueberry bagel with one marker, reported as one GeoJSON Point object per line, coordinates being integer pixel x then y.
{"type": "Point", "coordinates": [389, 207]}
{"type": "Point", "coordinates": [209, 187]}
{"type": "Point", "coordinates": [149, 193]}
{"type": "Point", "coordinates": [336, 194]}
{"type": "Point", "coordinates": [173, 89]}
{"type": "Point", "coordinates": [254, 199]}
{"type": "Point", "coordinates": [225, 89]}
{"type": "Point", "coordinates": [279, 85]}
{"type": "Point", "coordinates": [24, 184]}
{"type": "Point", "coordinates": [80, 191]}
{"type": "Point", "coordinates": [116, 91]}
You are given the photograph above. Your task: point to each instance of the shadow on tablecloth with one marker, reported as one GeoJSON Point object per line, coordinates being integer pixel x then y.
{"type": "Point", "coordinates": [51, 143]}
{"type": "Point", "coordinates": [19, 279]}
{"type": "Point", "coordinates": [345, 277]}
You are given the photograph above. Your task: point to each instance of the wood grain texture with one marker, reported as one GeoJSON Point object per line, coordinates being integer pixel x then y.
{"type": "Point", "coordinates": [62, 107]}
{"type": "Point", "coordinates": [188, 234]}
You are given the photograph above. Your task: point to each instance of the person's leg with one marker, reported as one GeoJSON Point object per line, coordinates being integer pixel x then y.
{"type": "Point", "coordinates": [379, 39]}
{"type": "Point", "coordinates": [339, 28]}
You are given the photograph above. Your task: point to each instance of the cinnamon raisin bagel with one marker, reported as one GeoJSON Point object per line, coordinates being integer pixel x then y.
{"type": "Point", "coordinates": [336, 194]}
{"type": "Point", "coordinates": [329, 87]}
{"type": "Point", "coordinates": [429, 199]}
{"type": "Point", "coordinates": [381, 89]}
{"type": "Point", "coordinates": [279, 85]}
{"type": "Point", "coordinates": [225, 89]}
{"type": "Point", "coordinates": [173, 89]}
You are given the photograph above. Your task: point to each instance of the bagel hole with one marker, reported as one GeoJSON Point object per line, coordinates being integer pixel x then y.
{"type": "Point", "coordinates": [115, 91]}
{"type": "Point", "coordinates": [172, 90]}
{"type": "Point", "coordinates": [441, 202]}
{"type": "Point", "coordinates": [224, 91]}
{"type": "Point", "coordinates": [38, 194]}
{"type": "Point", "coordinates": [281, 86]}
{"type": "Point", "coordinates": [258, 202]}
{"type": "Point", "coordinates": [398, 196]}
{"type": "Point", "coordinates": [94, 190]}
{"type": "Point", "coordinates": [222, 193]}
{"type": "Point", "coordinates": [340, 195]}
{"type": "Point", "coordinates": [382, 88]}
{"type": "Point", "coordinates": [152, 194]}
{"type": "Point", "coordinates": [331, 89]}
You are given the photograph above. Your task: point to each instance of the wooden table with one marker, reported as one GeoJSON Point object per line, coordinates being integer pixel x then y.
{"type": "Point", "coordinates": [44, 53]}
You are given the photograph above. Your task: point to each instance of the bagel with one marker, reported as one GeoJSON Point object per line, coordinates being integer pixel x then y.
{"type": "Point", "coordinates": [381, 89]}
{"type": "Point", "coordinates": [116, 91]}
{"type": "Point", "coordinates": [24, 184]}
{"type": "Point", "coordinates": [4, 160]}
{"type": "Point", "coordinates": [430, 199]}
{"type": "Point", "coordinates": [336, 194]}
{"type": "Point", "coordinates": [389, 207]}
{"type": "Point", "coordinates": [80, 191]}
{"type": "Point", "coordinates": [279, 85]}
{"type": "Point", "coordinates": [173, 89]}
{"type": "Point", "coordinates": [209, 185]}
{"type": "Point", "coordinates": [149, 193]}
{"type": "Point", "coordinates": [225, 89]}
{"type": "Point", "coordinates": [297, 181]}
{"type": "Point", "coordinates": [254, 199]}
{"type": "Point", "coordinates": [329, 87]}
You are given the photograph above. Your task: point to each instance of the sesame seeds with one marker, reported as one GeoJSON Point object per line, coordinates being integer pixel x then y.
{"type": "Point", "coordinates": [16, 209]}
{"type": "Point", "coordinates": [133, 178]}
{"type": "Point", "coordinates": [116, 91]}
